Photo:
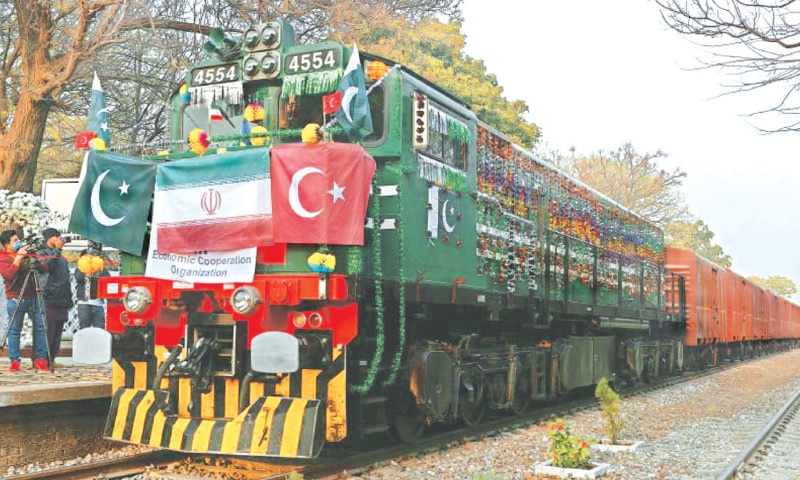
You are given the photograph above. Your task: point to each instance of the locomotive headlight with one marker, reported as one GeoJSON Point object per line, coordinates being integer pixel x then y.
{"type": "Point", "coordinates": [137, 300]}
{"type": "Point", "coordinates": [245, 300]}
{"type": "Point", "coordinates": [269, 35]}
{"type": "Point", "coordinates": [315, 320]}
{"type": "Point", "coordinates": [299, 320]}
{"type": "Point", "coordinates": [250, 66]}
{"type": "Point", "coordinates": [269, 64]}
{"type": "Point", "coordinates": [250, 38]}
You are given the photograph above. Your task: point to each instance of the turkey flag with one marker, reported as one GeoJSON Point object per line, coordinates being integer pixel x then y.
{"type": "Point", "coordinates": [332, 102]}
{"type": "Point", "coordinates": [320, 192]}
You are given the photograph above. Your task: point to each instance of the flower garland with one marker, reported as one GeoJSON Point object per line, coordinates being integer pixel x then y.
{"type": "Point", "coordinates": [442, 175]}
{"type": "Point", "coordinates": [380, 336]}
{"type": "Point", "coordinates": [314, 83]}
{"type": "Point", "coordinates": [397, 360]}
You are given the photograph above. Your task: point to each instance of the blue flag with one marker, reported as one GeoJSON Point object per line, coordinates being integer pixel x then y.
{"type": "Point", "coordinates": [113, 201]}
{"type": "Point", "coordinates": [354, 116]}
{"type": "Point", "coordinates": [98, 113]}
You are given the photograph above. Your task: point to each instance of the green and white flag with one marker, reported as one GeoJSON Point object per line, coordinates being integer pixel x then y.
{"type": "Point", "coordinates": [113, 201]}
{"type": "Point", "coordinates": [98, 113]}
{"type": "Point", "coordinates": [213, 202]}
{"type": "Point", "coordinates": [354, 115]}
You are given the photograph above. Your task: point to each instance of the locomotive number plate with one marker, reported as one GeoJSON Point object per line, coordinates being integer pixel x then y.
{"type": "Point", "coordinates": [313, 61]}
{"type": "Point", "coordinates": [215, 74]}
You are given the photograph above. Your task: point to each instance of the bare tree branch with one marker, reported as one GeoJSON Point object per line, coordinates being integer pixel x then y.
{"type": "Point", "coordinates": [756, 42]}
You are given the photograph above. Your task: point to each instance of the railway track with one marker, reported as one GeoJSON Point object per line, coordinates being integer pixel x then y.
{"type": "Point", "coordinates": [772, 453]}
{"type": "Point", "coordinates": [109, 468]}
{"type": "Point", "coordinates": [335, 460]}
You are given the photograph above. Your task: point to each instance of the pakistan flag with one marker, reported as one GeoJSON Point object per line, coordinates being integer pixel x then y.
{"type": "Point", "coordinates": [113, 201]}
{"type": "Point", "coordinates": [354, 116]}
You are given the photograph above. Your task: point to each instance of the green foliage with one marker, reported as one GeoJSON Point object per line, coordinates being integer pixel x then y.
{"type": "Point", "coordinates": [609, 404]}
{"type": "Point", "coordinates": [696, 236]}
{"type": "Point", "coordinates": [776, 284]}
{"type": "Point", "coordinates": [567, 450]}
{"type": "Point", "coordinates": [434, 50]}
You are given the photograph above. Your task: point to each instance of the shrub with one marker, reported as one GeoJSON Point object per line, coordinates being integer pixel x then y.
{"type": "Point", "coordinates": [609, 404]}
{"type": "Point", "coordinates": [567, 449]}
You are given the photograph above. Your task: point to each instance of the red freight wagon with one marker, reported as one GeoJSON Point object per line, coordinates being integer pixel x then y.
{"type": "Point", "coordinates": [740, 308]}
{"type": "Point", "coordinates": [794, 320]}
{"type": "Point", "coordinates": [705, 296]}
{"type": "Point", "coordinates": [762, 314]}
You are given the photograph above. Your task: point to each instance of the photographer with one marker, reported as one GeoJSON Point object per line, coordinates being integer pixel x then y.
{"type": "Point", "coordinates": [17, 272]}
{"type": "Point", "coordinates": [57, 292]}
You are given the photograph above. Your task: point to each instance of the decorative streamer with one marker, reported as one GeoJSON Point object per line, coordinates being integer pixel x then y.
{"type": "Point", "coordinates": [380, 336]}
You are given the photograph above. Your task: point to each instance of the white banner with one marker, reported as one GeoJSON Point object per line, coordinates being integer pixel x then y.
{"type": "Point", "coordinates": [201, 267]}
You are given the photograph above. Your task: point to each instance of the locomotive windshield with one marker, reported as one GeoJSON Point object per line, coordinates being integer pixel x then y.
{"type": "Point", "coordinates": [297, 111]}
{"type": "Point", "coordinates": [224, 116]}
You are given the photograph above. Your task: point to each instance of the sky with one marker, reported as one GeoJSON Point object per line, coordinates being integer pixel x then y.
{"type": "Point", "coordinates": [596, 75]}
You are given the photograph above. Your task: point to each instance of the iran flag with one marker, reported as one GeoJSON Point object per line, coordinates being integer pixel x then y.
{"type": "Point", "coordinates": [213, 203]}
{"type": "Point", "coordinates": [320, 192]}
{"type": "Point", "coordinates": [215, 114]}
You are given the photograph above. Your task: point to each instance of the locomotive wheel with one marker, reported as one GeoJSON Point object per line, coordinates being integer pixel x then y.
{"type": "Point", "coordinates": [471, 404]}
{"type": "Point", "coordinates": [406, 420]}
{"type": "Point", "coordinates": [472, 412]}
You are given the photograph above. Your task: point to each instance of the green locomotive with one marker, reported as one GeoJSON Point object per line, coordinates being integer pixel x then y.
{"type": "Point", "coordinates": [487, 279]}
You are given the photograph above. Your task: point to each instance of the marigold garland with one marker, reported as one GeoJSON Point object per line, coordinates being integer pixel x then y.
{"type": "Point", "coordinates": [198, 141]}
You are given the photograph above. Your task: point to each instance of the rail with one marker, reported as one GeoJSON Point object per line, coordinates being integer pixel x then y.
{"type": "Point", "coordinates": [733, 467]}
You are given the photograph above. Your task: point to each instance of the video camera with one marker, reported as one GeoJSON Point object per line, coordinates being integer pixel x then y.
{"type": "Point", "coordinates": [33, 241]}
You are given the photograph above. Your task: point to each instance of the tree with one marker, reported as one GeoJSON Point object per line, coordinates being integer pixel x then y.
{"type": "Point", "coordinates": [695, 235]}
{"type": "Point", "coordinates": [434, 50]}
{"type": "Point", "coordinates": [776, 284]}
{"type": "Point", "coordinates": [756, 42]}
{"type": "Point", "coordinates": [633, 180]}
{"type": "Point", "coordinates": [48, 51]}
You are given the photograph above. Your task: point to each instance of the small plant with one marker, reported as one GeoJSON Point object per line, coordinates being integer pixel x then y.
{"type": "Point", "coordinates": [567, 450]}
{"type": "Point", "coordinates": [609, 404]}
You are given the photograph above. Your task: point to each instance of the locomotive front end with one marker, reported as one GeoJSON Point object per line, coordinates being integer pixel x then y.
{"type": "Point", "coordinates": [245, 369]}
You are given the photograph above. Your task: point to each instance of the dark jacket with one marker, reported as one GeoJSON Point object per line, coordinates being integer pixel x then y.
{"type": "Point", "coordinates": [56, 288]}
{"type": "Point", "coordinates": [81, 279]}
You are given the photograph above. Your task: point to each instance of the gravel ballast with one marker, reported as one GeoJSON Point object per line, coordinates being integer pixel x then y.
{"type": "Point", "coordinates": [691, 431]}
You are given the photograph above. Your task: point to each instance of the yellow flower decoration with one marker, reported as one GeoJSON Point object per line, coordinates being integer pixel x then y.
{"type": "Point", "coordinates": [254, 112]}
{"type": "Point", "coordinates": [310, 133]}
{"type": "Point", "coordinates": [97, 144]}
{"type": "Point", "coordinates": [258, 136]}
{"type": "Point", "coordinates": [198, 141]}
{"type": "Point", "coordinates": [90, 264]}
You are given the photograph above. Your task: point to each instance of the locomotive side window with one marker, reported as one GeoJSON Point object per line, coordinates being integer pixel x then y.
{"type": "Point", "coordinates": [446, 139]}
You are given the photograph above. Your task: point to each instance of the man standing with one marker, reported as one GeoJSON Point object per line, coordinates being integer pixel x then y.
{"type": "Point", "coordinates": [17, 273]}
{"type": "Point", "coordinates": [56, 289]}
{"type": "Point", "coordinates": [90, 267]}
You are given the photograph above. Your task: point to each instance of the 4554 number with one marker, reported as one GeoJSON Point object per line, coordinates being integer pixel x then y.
{"type": "Point", "coordinates": [313, 61]}
{"type": "Point", "coordinates": [215, 74]}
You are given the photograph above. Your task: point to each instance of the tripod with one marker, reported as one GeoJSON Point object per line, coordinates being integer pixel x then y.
{"type": "Point", "coordinates": [40, 309]}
